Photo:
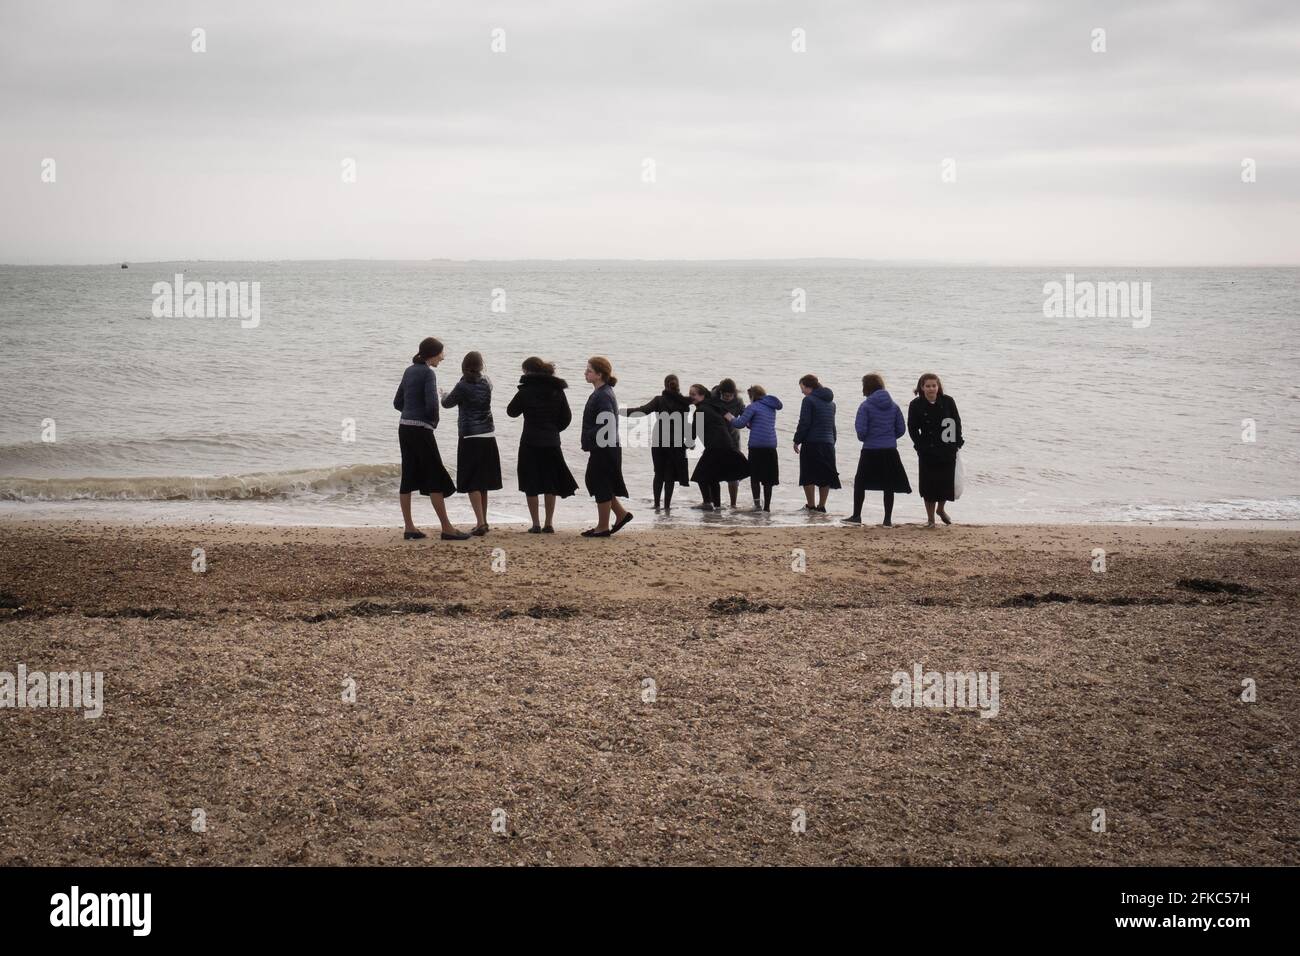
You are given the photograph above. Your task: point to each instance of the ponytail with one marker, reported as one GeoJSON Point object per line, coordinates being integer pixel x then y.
{"type": "Point", "coordinates": [429, 348]}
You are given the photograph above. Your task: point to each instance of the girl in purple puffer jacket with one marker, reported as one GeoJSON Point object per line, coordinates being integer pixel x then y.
{"type": "Point", "coordinates": [879, 425]}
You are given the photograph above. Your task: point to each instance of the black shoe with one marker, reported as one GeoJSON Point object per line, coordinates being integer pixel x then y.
{"type": "Point", "coordinates": [535, 529]}
{"type": "Point", "coordinates": [414, 535]}
{"type": "Point", "coordinates": [593, 533]}
{"type": "Point", "coordinates": [480, 531]}
{"type": "Point", "coordinates": [820, 508]}
{"type": "Point", "coordinates": [853, 519]}
{"type": "Point", "coordinates": [944, 518]}
{"type": "Point", "coordinates": [620, 522]}
{"type": "Point", "coordinates": [548, 530]}
{"type": "Point", "coordinates": [458, 536]}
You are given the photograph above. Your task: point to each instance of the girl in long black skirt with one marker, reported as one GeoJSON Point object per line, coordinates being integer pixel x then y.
{"type": "Point", "coordinates": [935, 427]}
{"type": "Point", "coordinates": [879, 425]}
{"type": "Point", "coordinates": [600, 440]}
{"type": "Point", "coordinates": [478, 462]}
{"type": "Point", "coordinates": [668, 439]}
{"type": "Point", "coordinates": [814, 442]}
{"type": "Point", "coordinates": [422, 468]}
{"type": "Point", "coordinates": [720, 461]}
{"type": "Point", "coordinates": [545, 409]}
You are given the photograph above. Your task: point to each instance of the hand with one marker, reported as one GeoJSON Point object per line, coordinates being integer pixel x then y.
{"type": "Point", "coordinates": [728, 416]}
{"type": "Point", "coordinates": [796, 448]}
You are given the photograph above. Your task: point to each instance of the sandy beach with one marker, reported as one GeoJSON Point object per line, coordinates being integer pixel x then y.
{"type": "Point", "coordinates": [512, 673]}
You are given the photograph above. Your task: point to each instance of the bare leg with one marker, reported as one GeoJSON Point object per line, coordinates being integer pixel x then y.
{"type": "Point", "coordinates": [480, 509]}
{"type": "Point", "coordinates": [406, 511]}
{"type": "Point", "coordinates": [822, 494]}
{"type": "Point", "coordinates": [808, 493]}
{"type": "Point", "coordinates": [550, 510]}
{"type": "Point", "coordinates": [532, 510]}
{"type": "Point", "coordinates": [732, 488]}
{"type": "Point", "coordinates": [440, 507]}
{"type": "Point", "coordinates": [929, 513]}
{"type": "Point", "coordinates": [602, 514]}
{"type": "Point", "coordinates": [617, 507]}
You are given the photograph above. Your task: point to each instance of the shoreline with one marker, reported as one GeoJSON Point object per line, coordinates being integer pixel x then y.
{"type": "Point", "coordinates": [647, 520]}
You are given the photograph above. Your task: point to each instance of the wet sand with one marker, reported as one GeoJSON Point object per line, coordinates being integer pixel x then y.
{"type": "Point", "coordinates": [510, 673]}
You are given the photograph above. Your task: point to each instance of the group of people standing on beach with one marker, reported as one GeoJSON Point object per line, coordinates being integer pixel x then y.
{"type": "Point", "coordinates": [716, 416]}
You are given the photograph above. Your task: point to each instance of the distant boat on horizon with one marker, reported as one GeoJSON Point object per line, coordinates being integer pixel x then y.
{"type": "Point", "coordinates": [124, 265]}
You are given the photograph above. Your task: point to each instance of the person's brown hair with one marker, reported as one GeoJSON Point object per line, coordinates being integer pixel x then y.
{"type": "Point", "coordinates": [601, 366]}
{"type": "Point", "coordinates": [727, 387]}
{"type": "Point", "coordinates": [810, 381]}
{"type": "Point", "coordinates": [920, 383]}
{"type": "Point", "coordinates": [471, 366]}
{"type": "Point", "coordinates": [429, 348]}
{"type": "Point", "coordinates": [672, 384]}
{"type": "Point", "coordinates": [756, 392]}
{"type": "Point", "coordinates": [872, 382]}
{"type": "Point", "coordinates": [703, 390]}
{"type": "Point", "coordinates": [538, 366]}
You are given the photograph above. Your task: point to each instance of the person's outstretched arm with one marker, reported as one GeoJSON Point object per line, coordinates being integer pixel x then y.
{"type": "Point", "coordinates": [453, 397]}
{"type": "Point", "coordinates": [744, 418]}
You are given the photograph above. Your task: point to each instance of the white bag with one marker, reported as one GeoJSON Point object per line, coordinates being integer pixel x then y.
{"type": "Point", "coordinates": [958, 477]}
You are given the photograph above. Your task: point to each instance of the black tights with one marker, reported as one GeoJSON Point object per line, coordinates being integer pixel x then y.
{"type": "Point", "coordinates": [767, 492]}
{"type": "Point", "coordinates": [712, 492]}
{"type": "Point", "coordinates": [860, 493]}
{"type": "Point", "coordinates": [664, 488]}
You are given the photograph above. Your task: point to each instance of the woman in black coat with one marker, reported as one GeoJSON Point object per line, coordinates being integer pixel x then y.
{"type": "Point", "coordinates": [720, 461]}
{"type": "Point", "coordinates": [600, 439]}
{"type": "Point", "coordinates": [935, 427]}
{"type": "Point", "coordinates": [668, 440]}
{"type": "Point", "coordinates": [542, 471]}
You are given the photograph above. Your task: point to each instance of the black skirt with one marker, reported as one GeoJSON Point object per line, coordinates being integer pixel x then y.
{"type": "Point", "coordinates": [604, 476]}
{"type": "Point", "coordinates": [763, 466]}
{"type": "Point", "coordinates": [720, 464]}
{"type": "Point", "coordinates": [936, 479]}
{"type": "Point", "coordinates": [478, 465]}
{"type": "Point", "coordinates": [542, 471]}
{"type": "Point", "coordinates": [880, 469]}
{"type": "Point", "coordinates": [422, 468]}
{"type": "Point", "coordinates": [670, 464]}
{"type": "Point", "coordinates": [817, 465]}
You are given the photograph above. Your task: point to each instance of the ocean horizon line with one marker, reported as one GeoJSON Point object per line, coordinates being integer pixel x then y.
{"type": "Point", "coordinates": [829, 260]}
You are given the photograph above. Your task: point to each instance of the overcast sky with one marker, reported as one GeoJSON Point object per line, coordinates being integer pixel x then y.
{"type": "Point", "coordinates": [1062, 155]}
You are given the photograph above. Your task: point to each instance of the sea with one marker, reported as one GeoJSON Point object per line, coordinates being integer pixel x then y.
{"type": "Point", "coordinates": [1176, 401]}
